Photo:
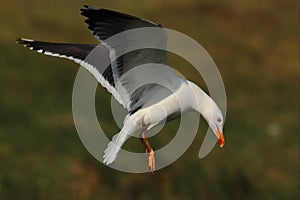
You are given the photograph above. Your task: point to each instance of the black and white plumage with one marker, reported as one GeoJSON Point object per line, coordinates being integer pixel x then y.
{"type": "Point", "coordinates": [148, 105]}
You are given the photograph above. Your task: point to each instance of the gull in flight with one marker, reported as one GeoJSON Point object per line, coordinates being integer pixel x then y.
{"type": "Point", "coordinates": [148, 105]}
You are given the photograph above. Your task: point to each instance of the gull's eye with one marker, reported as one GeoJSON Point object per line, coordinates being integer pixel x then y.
{"type": "Point", "coordinates": [219, 120]}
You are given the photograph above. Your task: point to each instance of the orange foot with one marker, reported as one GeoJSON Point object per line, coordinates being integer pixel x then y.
{"type": "Point", "coordinates": [151, 160]}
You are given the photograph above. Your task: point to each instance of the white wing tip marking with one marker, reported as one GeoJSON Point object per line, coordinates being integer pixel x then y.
{"type": "Point", "coordinates": [27, 40]}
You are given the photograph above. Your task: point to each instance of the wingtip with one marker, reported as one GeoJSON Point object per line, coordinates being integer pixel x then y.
{"type": "Point", "coordinates": [87, 7]}
{"type": "Point", "coordinates": [25, 42]}
{"type": "Point", "coordinates": [20, 41]}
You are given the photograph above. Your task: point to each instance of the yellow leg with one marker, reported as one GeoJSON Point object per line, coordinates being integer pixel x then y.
{"type": "Point", "coordinates": [149, 151]}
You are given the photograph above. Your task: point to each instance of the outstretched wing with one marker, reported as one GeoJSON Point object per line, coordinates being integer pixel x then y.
{"type": "Point", "coordinates": [79, 53]}
{"type": "Point", "coordinates": [133, 42]}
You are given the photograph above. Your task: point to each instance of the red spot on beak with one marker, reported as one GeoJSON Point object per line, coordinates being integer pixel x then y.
{"type": "Point", "coordinates": [221, 140]}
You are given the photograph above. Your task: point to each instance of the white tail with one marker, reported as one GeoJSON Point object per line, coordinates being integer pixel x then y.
{"type": "Point", "coordinates": [114, 147]}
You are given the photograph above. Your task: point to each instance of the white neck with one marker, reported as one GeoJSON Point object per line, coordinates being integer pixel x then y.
{"type": "Point", "coordinates": [204, 104]}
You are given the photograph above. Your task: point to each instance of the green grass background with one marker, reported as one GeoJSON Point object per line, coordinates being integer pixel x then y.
{"type": "Point", "coordinates": [255, 44]}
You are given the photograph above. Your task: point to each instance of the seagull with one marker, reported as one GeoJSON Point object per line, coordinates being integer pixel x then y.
{"type": "Point", "coordinates": [148, 105]}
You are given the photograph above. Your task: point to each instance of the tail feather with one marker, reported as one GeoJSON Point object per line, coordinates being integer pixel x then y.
{"type": "Point", "coordinates": [114, 147]}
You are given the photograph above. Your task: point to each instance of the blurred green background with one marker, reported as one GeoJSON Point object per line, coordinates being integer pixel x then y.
{"type": "Point", "coordinates": [255, 44]}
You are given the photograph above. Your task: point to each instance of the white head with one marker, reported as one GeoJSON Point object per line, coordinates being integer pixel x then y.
{"type": "Point", "coordinates": [210, 111]}
{"type": "Point", "coordinates": [215, 120]}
